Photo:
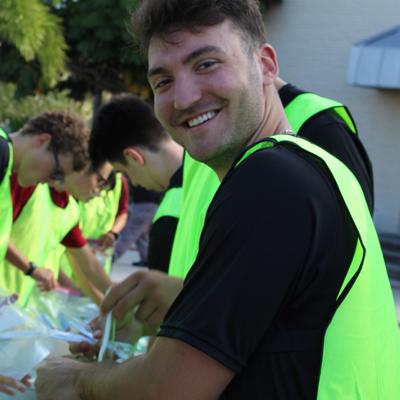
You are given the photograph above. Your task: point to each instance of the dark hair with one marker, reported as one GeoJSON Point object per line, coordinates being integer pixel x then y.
{"type": "Point", "coordinates": [69, 135]}
{"type": "Point", "coordinates": [125, 121]}
{"type": "Point", "coordinates": [165, 16]}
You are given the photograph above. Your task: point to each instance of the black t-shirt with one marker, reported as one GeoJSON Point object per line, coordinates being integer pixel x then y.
{"type": "Point", "coordinates": [138, 194]}
{"type": "Point", "coordinates": [4, 157]}
{"type": "Point", "coordinates": [275, 248]}
{"type": "Point", "coordinates": [329, 131]}
{"type": "Point", "coordinates": [162, 233]}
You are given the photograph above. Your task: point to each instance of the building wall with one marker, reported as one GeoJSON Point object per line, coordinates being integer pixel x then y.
{"type": "Point", "coordinates": [313, 40]}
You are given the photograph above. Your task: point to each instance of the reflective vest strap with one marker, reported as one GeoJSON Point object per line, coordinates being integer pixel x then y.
{"type": "Point", "coordinates": [354, 270]}
{"type": "Point", "coordinates": [359, 254]}
{"type": "Point", "coordinates": [257, 147]}
{"type": "Point", "coordinates": [306, 105]}
{"type": "Point", "coordinates": [170, 205]}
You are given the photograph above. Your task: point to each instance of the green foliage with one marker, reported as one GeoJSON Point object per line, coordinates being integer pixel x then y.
{"type": "Point", "coordinates": [37, 35]}
{"type": "Point", "coordinates": [15, 112]}
{"type": "Point", "coordinates": [100, 54]}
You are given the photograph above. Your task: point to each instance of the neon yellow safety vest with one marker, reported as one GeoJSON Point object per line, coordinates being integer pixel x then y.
{"type": "Point", "coordinates": [200, 183]}
{"type": "Point", "coordinates": [199, 186]}
{"type": "Point", "coordinates": [96, 217]}
{"type": "Point", "coordinates": [306, 105]}
{"type": "Point", "coordinates": [170, 205]}
{"type": "Point", "coordinates": [361, 353]}
{"type": "Point", "coordinates": [37, 232]}
{"type": "Point", "coordinates": [5, 202]}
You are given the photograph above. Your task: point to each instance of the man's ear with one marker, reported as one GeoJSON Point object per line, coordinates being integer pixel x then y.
{"type": "Point", "coordinates": [134, 154]}
{"type": "Point", "coordinates": [269, 63]}
{"type": "Point", "coordinates": [41, 139]}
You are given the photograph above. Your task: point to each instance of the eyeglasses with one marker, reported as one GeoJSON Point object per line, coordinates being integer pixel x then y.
{"type": "Point", "coordinates": [103, 183]}
{"type": "Point", "coordinates": [58, 174]}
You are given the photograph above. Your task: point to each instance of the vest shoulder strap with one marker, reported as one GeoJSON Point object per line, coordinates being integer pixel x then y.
{"type": "Point", "coordinates": [306, 105]}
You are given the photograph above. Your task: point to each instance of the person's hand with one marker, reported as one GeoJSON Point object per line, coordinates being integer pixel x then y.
{"type": "Point", "coordinates": [44, 278]}
{"type": "Point", "coordinates": [129, 330]}
{"type": "Point", "coordinates": [104, 242]}
{"type": "Point", "coordinates": [9, 385]}
{"type": "Point", "coordinates": [152, 292]}
{"type": "Point", "coordinates": [90, 350]}
{"type": "Point", "coordinates": [57, 379]}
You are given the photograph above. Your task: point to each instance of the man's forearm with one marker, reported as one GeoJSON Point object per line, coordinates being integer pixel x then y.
{"type": "Point", "coordinates": [120, 222]}
{"type": "Point", "coordinates": [108, 380]}
{"type": "Point", "coordinates": [87, 263]}
{"type": "Point", "coordinates": [15, 257]}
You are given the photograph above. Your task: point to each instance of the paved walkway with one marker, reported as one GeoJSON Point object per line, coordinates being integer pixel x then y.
{"type": "Point", "coordinates": [123, 266]}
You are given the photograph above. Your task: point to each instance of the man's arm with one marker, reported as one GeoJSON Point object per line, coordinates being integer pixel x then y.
{"type": "Point", "coordinates": [109, 238]}
{"type": "Point", "coordinates": [89, 271]}
{"type": "Point", "coordinates": [171, 370]}
{"type": "Point", "coordinates": [151, 291]}
{"type": "Point", "coordinates": [44, 278]}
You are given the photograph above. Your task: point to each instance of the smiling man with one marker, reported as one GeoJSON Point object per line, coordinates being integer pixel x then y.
{"type": "Point", "coordinates": [288, 297]}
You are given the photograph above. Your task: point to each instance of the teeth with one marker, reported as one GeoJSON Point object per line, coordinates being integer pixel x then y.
{"type": "Point", "coordinates": [201, 119]}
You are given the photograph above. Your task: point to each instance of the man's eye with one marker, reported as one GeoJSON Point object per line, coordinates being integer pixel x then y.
{"type": "Point", "coordinates": [207, 64]}
{"type": "Point", "coordinates": [161, 83]}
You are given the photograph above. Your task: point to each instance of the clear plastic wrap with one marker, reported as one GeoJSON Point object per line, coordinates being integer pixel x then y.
{"type": "Point", "coordinates": [24, 340]}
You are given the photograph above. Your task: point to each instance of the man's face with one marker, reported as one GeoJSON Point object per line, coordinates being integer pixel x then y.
{"type": "Point", "coordinates": [139, 170]}
{"type": "Point", "coordinates": [208, 90]}
{"type": "Point", "coordinates": [86, 184]}
{"type": "Point", "coordinates": [41, 164]}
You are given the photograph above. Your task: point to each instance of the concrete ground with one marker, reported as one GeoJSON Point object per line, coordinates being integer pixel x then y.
{"type": "Point", "coordinates": [123, 266]}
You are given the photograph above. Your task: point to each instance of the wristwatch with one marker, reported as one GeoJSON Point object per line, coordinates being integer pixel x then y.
{"type": "Point", "coordinates": [31, 268]}
{"type": "Point", "coordinates": [115, 234]}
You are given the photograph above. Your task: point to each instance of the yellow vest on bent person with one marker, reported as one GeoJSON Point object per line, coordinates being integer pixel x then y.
{"type": "Point", "coordinates": [37, 233]}
{"type": "Point", "coordinates": [96, 217]}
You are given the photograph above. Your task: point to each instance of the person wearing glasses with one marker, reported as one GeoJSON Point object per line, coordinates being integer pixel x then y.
{"type": "Point", "coordinates": [127, 134]}
{"type": "Point", "coordinates": [34, 157]}
{"type": "Point", "coordinates": [47, 150]}
{"type": "Point", "coordinates": [102, 197]}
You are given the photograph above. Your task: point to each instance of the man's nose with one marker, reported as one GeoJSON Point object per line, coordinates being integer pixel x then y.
{"type": "Point", "coordinates": [187, 93]}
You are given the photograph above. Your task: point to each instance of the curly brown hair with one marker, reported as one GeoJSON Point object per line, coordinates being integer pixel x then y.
{"type": "Point", "coordinates": [161, 17]}
{"type": "Point", "coordinates": [68, 135]}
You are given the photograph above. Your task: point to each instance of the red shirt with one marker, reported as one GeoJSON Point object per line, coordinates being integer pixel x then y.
{"type": "Point", "coordinates": [20, 197]}
{"type": "Point", "coordinates": [124, 199]}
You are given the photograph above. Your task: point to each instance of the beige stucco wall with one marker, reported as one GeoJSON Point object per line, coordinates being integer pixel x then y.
{"type": "Point", "coordinates": [313, 40]}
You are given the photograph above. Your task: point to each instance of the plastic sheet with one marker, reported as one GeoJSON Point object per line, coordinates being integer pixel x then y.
{"type": "Point", "coordinates": [24, 341]}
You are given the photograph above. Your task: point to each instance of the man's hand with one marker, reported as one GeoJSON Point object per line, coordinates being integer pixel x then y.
{"type": "Point", "coordinates": [9, 385]}
{"type": "Point", "coordinates": [104, 242]}
{"type": "Point", "coordinates": [44, 278]}
{"type": "Point", "coordinates": [57, 379]}
{"type": "Point", "coordinates": [152, 292]}
{"type": "Point", "coordinates": [90, 351]}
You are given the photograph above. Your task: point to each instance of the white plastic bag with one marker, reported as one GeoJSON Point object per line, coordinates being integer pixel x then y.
{"type": "Point", "coordinates": [23, 340]}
